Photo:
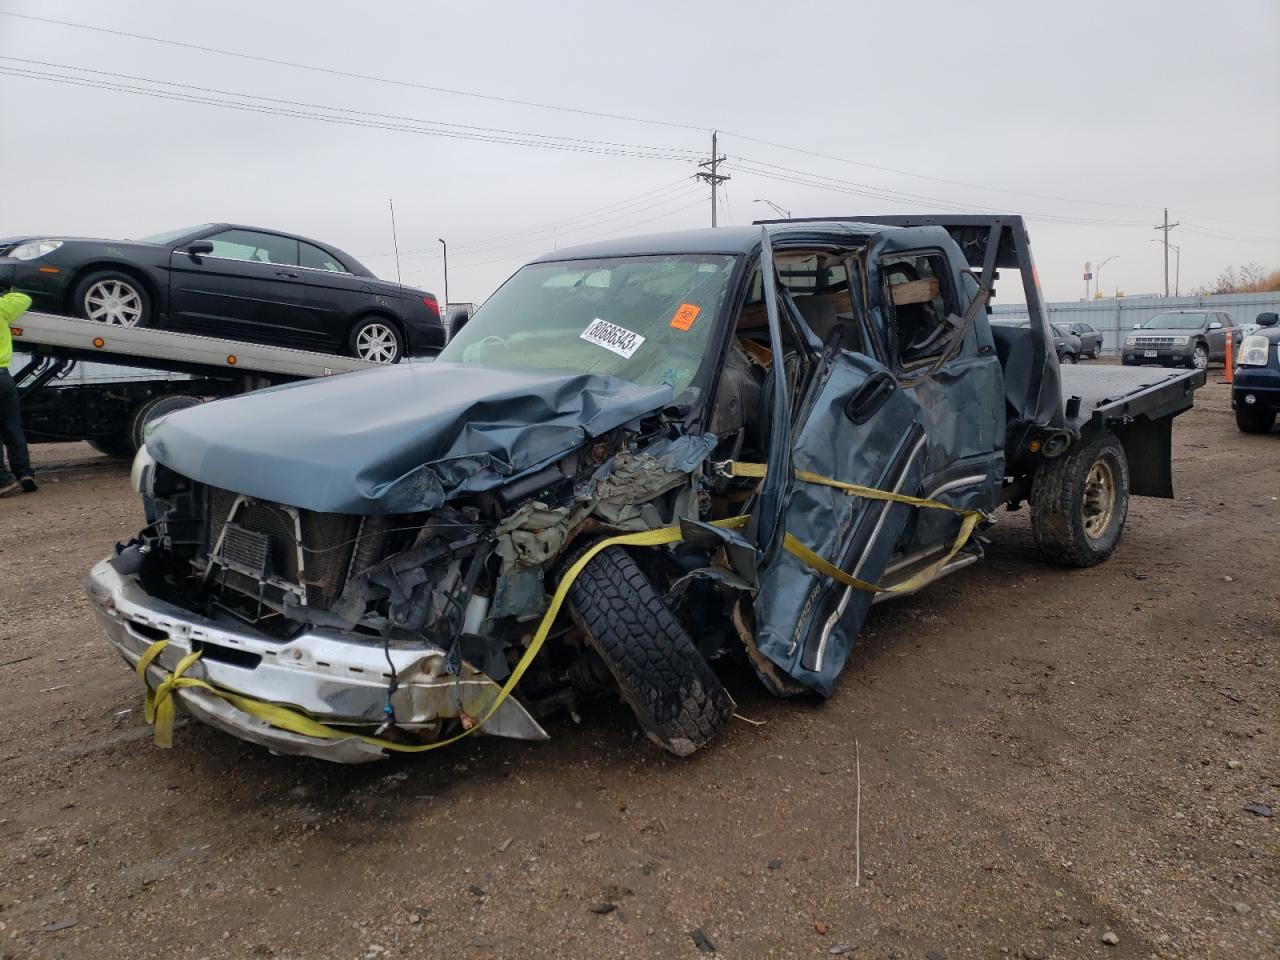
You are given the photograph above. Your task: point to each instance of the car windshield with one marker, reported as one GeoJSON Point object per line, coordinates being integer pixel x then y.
{"type": "Point", "coordinates": [169, 236]}
{"type": "Point", "coordinates": [1175, 321]}
{"type": "Point", "coordinates": [645, 319]}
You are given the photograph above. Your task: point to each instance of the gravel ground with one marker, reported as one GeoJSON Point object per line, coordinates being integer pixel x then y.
{"type": "Point", "coordinates": [1054, 763]}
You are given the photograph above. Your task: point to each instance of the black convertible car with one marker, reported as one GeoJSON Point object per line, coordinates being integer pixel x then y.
{"type": "Point", "coordinates": [224, 280]}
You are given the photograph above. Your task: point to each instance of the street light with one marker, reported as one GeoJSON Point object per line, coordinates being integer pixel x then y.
{"type": "Point", "coordinates": [1177, 274]}
{"type": "Point", "coordinates": [445, 247]}
{"type": "Point", "coordinates": [1097, 276]}
{"type": "Point", "coordinates": [776, 209]}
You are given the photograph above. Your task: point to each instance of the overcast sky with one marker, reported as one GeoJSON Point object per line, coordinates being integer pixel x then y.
{"type": "Point", "coordinates": [1086, 117]}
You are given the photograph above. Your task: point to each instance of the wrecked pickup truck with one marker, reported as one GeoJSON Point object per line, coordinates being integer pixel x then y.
{"type": "Point", "coordinates": [638, 456]}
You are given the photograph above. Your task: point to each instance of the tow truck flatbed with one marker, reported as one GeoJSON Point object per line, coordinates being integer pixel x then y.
{"type": "Point", "coordinates": [45, 334]}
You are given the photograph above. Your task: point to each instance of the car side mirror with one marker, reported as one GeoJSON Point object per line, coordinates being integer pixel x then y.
{"type": "Point", "coordinates": [1137, 326]}
{"type": "Point", "coordinates": [199, 247]}
{"type": "Point", "coordinates": [1268, 319]}
{"type": "Point", "coordinates": [1216, 325]}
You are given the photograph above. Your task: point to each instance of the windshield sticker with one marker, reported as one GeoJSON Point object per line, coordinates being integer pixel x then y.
{"type": "Point", "coordinates": [685, 316]}
{"type": "Point", "coordinates": [612, 337]}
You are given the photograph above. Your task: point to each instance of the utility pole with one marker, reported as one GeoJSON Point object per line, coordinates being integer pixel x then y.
{"type": "Point", "coordinates": [394, 239]}
{"type": "Point", "coordinates": [1177, 270]}
{"type": "Point", "coordinates": [445, 252]}
{"type": "Point", "coordinates": [1166, 228]}
{"type": "Point", "coordinates": [712, 176]}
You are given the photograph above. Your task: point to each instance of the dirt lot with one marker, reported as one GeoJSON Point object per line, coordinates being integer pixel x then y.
{"type": "Point", "coordinates": [1047, 757]}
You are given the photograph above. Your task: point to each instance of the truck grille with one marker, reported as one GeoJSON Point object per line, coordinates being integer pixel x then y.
{"type": "Point", "coordinates": [261, 542]}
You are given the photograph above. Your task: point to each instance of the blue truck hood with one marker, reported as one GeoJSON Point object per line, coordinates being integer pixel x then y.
{"type": "Point", "coordinates": [397, 439]}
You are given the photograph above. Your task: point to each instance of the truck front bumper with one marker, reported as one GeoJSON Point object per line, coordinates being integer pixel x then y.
{"type": "Point", "coordinates": [331, 676]}
{"type": "Point", "coordinates": [1256, 388]}
{"type": "Point", "coordinates": [1168, 356]}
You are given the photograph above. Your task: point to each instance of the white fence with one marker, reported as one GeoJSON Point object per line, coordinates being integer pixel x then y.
{"type": "Point", "coordinates": [1115, 317]}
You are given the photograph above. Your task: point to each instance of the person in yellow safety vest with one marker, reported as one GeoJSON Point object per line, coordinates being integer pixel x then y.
{"type": "Point", "coordinates": [18, 477]}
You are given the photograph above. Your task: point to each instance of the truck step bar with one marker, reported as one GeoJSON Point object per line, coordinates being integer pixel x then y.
{"type": "Point", "coordinates": [49, 335]}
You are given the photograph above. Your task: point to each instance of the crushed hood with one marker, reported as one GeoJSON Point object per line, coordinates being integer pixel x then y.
{"type": "Point", "coordinates": [397, 439]}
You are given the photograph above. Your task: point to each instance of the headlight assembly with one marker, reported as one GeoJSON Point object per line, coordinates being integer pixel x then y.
{"type": "Point", "coordinates": [1130, 341]}
{"type": "Point", "coordinates": [1181, 341]}
{"type": "Point", "coordinates": [142, 475]}
{"type": "Point", "coordinates": [1253, 351]}
{"type": "Point", "coordinates": [34, 248]}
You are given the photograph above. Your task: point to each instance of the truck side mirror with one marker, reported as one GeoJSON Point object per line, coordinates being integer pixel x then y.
{"type": "Point", "coordinates": [1268, 319]}
{"type": "Point", "coordinates": [1137, 326]}
{"type": "Point", "coordinates": [1216, 325]}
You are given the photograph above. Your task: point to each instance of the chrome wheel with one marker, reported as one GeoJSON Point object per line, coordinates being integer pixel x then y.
{"type": "Point", "coordinates": [1099, 499]}
{"type": "Point", "coordinates": [113, 302]}
{"type": "Point", "coordinates": [377, 342]}
{"type": "Point", "coordinates": [1200, 358]}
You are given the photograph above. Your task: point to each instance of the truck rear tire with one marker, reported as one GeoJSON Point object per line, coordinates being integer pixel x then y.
{"type": "Point", "coordinates": [675, 695]}
{"type": "Point", "coordinates": [153, 410]}
{"type": "Point", "coordinates": [1250, 420]}
{"type": "Point", "coordinates": [1079, 502]}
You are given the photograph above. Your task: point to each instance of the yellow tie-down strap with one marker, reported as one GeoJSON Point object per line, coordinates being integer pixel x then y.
{"type": "Point", "coordinates": [160, 706]}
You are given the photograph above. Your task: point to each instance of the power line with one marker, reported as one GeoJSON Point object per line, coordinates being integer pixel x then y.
{"type": "Point", "coordinates": [350, 74]}
{"type": "Point", "coordinates": [534, 241]}
{"type": "Point", "coordinates": [423, 127]}
{"type": "Point", "coordinates": [791, 175]}
{"type": "Point", "coordinates": [680, 188]}
{"type": "Point", "coordinates": [600, 147]}
{"type": "Point", "coordinates": [347, 74]}
{"type": "Point", "coordinates": [625, 227]}
{"type": "Point", "coordinates": [922, 176]}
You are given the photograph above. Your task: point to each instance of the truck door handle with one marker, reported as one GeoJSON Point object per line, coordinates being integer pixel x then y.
{"type": "Point", "coordinates": [286, 273]}
{"type": "Point", "coordinates": [870, 397]}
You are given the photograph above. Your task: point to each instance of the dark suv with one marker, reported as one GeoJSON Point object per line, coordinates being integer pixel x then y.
{"type": "Point", "coordinates": [1182, 338]}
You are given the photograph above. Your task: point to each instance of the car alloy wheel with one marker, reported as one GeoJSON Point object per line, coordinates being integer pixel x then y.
{"type": "Point", "coordinates": [1200, 358]}
{"type": "Point", "coordinates": [378, 343]}
{"type": "Point", "coordinates": [1067, 358]}
{"type": "Point", "coordinates": [113, 302]}
{"type": "Point", "coordinates": [1099, 499]}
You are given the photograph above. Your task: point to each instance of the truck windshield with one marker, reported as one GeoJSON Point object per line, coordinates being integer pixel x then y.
{"type": "Point", "coordinates": [645, 319]}
{"type": "Point", "coordinates": [1175, 321]}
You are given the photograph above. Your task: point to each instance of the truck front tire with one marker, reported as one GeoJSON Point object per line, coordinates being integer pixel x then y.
{"type": "Point", "coordinates": [1079, 502]}
{"type": "Point", "coordinates": [1250, 420]}
{"type": "Point", "coordinates": [675, 695]}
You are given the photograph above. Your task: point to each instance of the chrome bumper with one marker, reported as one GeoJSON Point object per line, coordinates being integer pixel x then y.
{"type": "Point", "coordinates": [332, 676]}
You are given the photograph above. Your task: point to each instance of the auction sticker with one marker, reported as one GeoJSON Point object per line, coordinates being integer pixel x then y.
{"type": "Point", "coordinates": [612, 337]}
{"type": "Point", "coordinates": [685, 316]}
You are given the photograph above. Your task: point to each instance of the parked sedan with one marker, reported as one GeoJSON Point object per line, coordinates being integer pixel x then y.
{"type": "Point", "coordinates": [1064, 341]}
{"type": "Point", "coordinates": [1090, 339]}
{"type": "Point", "coordinates": [224, 280]}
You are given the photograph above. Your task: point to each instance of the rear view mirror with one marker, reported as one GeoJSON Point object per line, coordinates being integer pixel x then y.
{"type": "Point", "coordinates": [199, 247]}
{"type": "Point", "coordinates": [1268, 319]}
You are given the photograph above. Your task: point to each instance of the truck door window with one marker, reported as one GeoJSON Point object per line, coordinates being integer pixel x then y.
{"type": "Point", "coordinates": [918, 299]}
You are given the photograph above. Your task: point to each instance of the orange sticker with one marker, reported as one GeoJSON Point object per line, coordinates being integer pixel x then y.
{"type": "Point", "coordinates": [685, 316]}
